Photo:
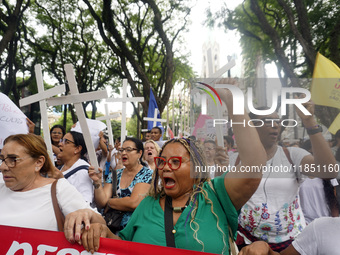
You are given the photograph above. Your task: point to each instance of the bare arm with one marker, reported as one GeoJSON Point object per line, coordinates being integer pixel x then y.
{"type": "Point", "coordinates": [241, 186]}
{"type": "Point", "coordinates": [30, 126]}
{"type": "Point", "coordinates": [262, 248]}
{"type": "Point", "coordinates": [322, 153]}
{"type": "Point", "coordinates": [130, 203]}
{"type": "Point", "coordinates": [102, 144]}
{"type": "Point", "coordinates": [101, 194]}
{"type": "Point", "coordinates": [55, 149]}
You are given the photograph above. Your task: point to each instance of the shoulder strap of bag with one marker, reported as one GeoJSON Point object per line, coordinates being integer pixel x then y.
{"type": "Point", "coordinates": [168, 223]}
{"type": "Point", "coordinates": [288, 155]}
{"type": "Point", "coordinates": [114, 188]}
{"type": "Point", "coordinates": [114, 182]}
{"type": "Point", "coordinates": [83, 167]}
{"type": "Point", "coordinates": [297, 172]}
{"type": "Point", "coordinates": [58, 214]}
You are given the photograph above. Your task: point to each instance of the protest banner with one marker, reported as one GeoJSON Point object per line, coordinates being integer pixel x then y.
{"type": "Point", "coordinates": [25, 241]}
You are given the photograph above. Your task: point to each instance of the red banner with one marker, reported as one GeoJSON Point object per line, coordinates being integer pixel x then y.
{"type": "Point", "coordinates": [24, 241]}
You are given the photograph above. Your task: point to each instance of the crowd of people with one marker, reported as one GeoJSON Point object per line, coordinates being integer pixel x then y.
{"type": "Point", "coordinates": [166, 195]}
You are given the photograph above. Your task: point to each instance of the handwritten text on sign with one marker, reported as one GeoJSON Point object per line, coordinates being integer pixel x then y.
{"type": "Point", "coordinates": [12, 119]}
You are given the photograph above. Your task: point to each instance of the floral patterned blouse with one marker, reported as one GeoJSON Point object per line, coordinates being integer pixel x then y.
{"type": "Point", "coordinates": [273, 214]}
{"type": "Point", "coordinates": [143, 176]}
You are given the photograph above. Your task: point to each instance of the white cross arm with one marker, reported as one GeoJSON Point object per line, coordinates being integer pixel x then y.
{"type": "Point", "coordinates": [42, 95]}
{"type": "Point", "coordinates": [109, 117]}
{"type": "Point", "coordinates": [212, 78]}
{"type": "Point", "coordinates": [78, 98]}
{"type": "Point", "coordinates": [126, 99]}
{"type": "Point", "coordinates": [153, 119]}
{"type": "Point", "coordinates": [224, 69]}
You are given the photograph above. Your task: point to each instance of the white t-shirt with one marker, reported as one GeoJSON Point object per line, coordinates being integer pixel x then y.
{"type": "Point", "coordinates": [321, 237]}
{"type": "Point", "coordinates": [273, 214]}
{"type": "Point", "coordinates": [81, 180]}
{"type": "Point", "coordinates": [34, 208]}
{"type": "Point", "coordinates": [313, 199]}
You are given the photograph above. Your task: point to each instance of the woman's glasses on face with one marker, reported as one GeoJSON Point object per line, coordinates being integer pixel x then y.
{"type": "Point", "coordinates": [11, 160]}
{"type": "Point", "coordinates": [66, 141]}
{"type": "Point", "coordinates": [128, 149]}
{"type": "Point", "coordinates": [174, 162]}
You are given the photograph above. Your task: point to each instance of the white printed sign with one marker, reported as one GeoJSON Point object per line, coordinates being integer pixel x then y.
{"type": "Point", "coordinates": [12, 119]}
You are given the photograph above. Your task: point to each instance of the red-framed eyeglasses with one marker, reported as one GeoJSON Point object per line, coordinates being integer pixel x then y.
{"type": "Point", "coordinates": [174, 162]}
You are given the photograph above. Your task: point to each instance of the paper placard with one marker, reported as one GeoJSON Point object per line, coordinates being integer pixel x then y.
{"type": "Point", "coordinates": [12, 119]}
{"type": "Point", "coordinates": [95, 126]}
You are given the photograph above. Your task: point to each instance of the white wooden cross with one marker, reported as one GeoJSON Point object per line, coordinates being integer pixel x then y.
{"type": "Point", "coordinates": [107, 117]}
{"type": "Point", "coordinates": [124, 100]}
{"type": "Point", "coordinates": [154, 119]}
{"type": "Point", "coordinates": [210, 80]}
{"type": "Point", "coordinates": [76, 99]}
{"type": "Point", "coordinates": [41, 97]}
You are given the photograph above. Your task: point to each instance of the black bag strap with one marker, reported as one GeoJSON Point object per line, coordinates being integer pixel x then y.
{"type": "Point", "coordinates": [114, 182]}
{"type": "Point", "coordinates": [84, 167]}
{"type": "Point", "coordinates": [169, 223]}
{"type": "Point", "coordinates": [114, 188]}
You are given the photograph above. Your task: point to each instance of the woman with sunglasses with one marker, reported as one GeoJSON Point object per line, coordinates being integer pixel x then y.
{"type": "Point", "coordinates": [75, 169]}
{"type": "Point", "coordinates": [25, 193]}
{"type": "Point", "coordinates": [133, 181]}
{"type": "Point", "coordinates": [185, 209]}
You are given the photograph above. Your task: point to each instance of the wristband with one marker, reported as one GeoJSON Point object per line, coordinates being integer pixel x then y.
{"type": "Point", "coordinates": [314, 130]}
{"type": "Point", "coordinates": [314, 127]}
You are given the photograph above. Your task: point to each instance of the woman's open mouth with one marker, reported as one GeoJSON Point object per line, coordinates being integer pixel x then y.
{"type": "Point", "coordinates": [169, 183]}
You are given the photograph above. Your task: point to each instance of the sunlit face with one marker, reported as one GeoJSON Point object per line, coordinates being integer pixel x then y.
{"type": "Point", "coordinates": [130, 158]}
{"type": "Point", "coordinates": [56, 135]}
{"type": "Point", "coordinates": [150, 152]}
{"type": "Point", "coordinates": [21, 176]}
{"type": "Point", "coordinates": [176, 182]}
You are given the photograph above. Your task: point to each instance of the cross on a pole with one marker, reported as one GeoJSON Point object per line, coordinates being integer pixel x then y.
{"type": "Point", "coordinates": [154, 119]}
{"type": "Point", "coordinates": [210, 80]}
{"type": "Point", "coordinates": [77, 100]}
{"type": "Point", "coordinates": [108, 119]}
{"type": "Point", "coordinates": [124, 100]}
{"type": "Point", "coordinates": [41, 97]}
